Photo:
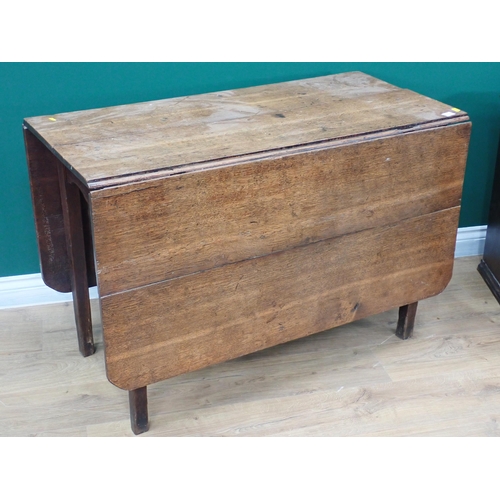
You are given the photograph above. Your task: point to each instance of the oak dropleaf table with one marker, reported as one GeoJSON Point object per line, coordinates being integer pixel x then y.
{"type": "Point", "coordinates": [220, 224]}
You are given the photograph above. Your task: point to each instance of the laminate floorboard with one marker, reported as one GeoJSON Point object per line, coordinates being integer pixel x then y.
{"type": "Point", "coordinates": [355, 380]}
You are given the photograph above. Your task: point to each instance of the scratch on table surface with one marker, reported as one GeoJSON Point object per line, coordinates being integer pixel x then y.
{"type": "Point", "coordinates": [6, 406]}
{"type": "Point", "coordinates": [340, 389]}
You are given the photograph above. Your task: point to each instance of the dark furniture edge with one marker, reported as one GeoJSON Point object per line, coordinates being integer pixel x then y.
{"type": "Point", "coordinates": [489, 279]}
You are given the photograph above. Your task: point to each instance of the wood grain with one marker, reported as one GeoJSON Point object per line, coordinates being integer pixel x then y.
{"type": "Point", "coordinates": [153, 231]}
{"type": "Point", "coordinates": [159, 135]}
{"type": "Point", "coordinates": [184, 324]}
{"type": "Point", "coordinates": [333, 383]}
{"type": "Point", "coordinates": [234, 221]}
{"type": "Point", "coordinates": [43, 169]}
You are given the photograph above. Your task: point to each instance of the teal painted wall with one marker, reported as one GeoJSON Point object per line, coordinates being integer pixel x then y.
{"type": "Point", "coordinates": [31, 89]}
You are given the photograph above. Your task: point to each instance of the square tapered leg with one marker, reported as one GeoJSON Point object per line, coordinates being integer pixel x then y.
{"type": "Point", "coordinates": [406, 320]}
{"type": "Point", "coordinates": [138, 400]}
{"type": "Point", "coordinates": [73, 222]}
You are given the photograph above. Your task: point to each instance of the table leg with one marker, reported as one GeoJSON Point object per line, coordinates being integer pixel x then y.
{"type": "Point", "coordinates": [138, 400]}
{"type": "Point", "coordinates": [72, 212]}
{"type": "Point", "coordinates": [406, 320]}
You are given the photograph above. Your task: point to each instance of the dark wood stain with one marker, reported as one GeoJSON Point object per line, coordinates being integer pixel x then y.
{"type": "Point", "coordinates": [138, 402]}
{"type": "Point", "coordinates": [75, 243]}
{"type": "Point", "coordinates": [406, 320]}
{"type": "Point", "coordinates": [43, 172]}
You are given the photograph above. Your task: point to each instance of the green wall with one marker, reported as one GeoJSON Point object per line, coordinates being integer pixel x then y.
{"type": "Point", "coordinates": [31, 89]}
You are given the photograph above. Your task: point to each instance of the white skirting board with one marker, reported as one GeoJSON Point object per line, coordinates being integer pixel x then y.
{"type": "Point", "coordinates": [29, 289]}
{"type": "Point", "coordinates": [470, 241]}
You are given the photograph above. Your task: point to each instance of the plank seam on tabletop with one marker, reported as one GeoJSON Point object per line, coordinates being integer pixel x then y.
{"type": "Point", "coordinates": [30, 290]}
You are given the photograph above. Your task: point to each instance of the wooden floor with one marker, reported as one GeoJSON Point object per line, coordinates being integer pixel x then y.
{"type": "Point", "coordinates": [354, 380]}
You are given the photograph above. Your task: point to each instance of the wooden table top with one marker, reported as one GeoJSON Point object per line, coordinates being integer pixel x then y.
{"type": "Point", "coordinates": [114, 145]}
